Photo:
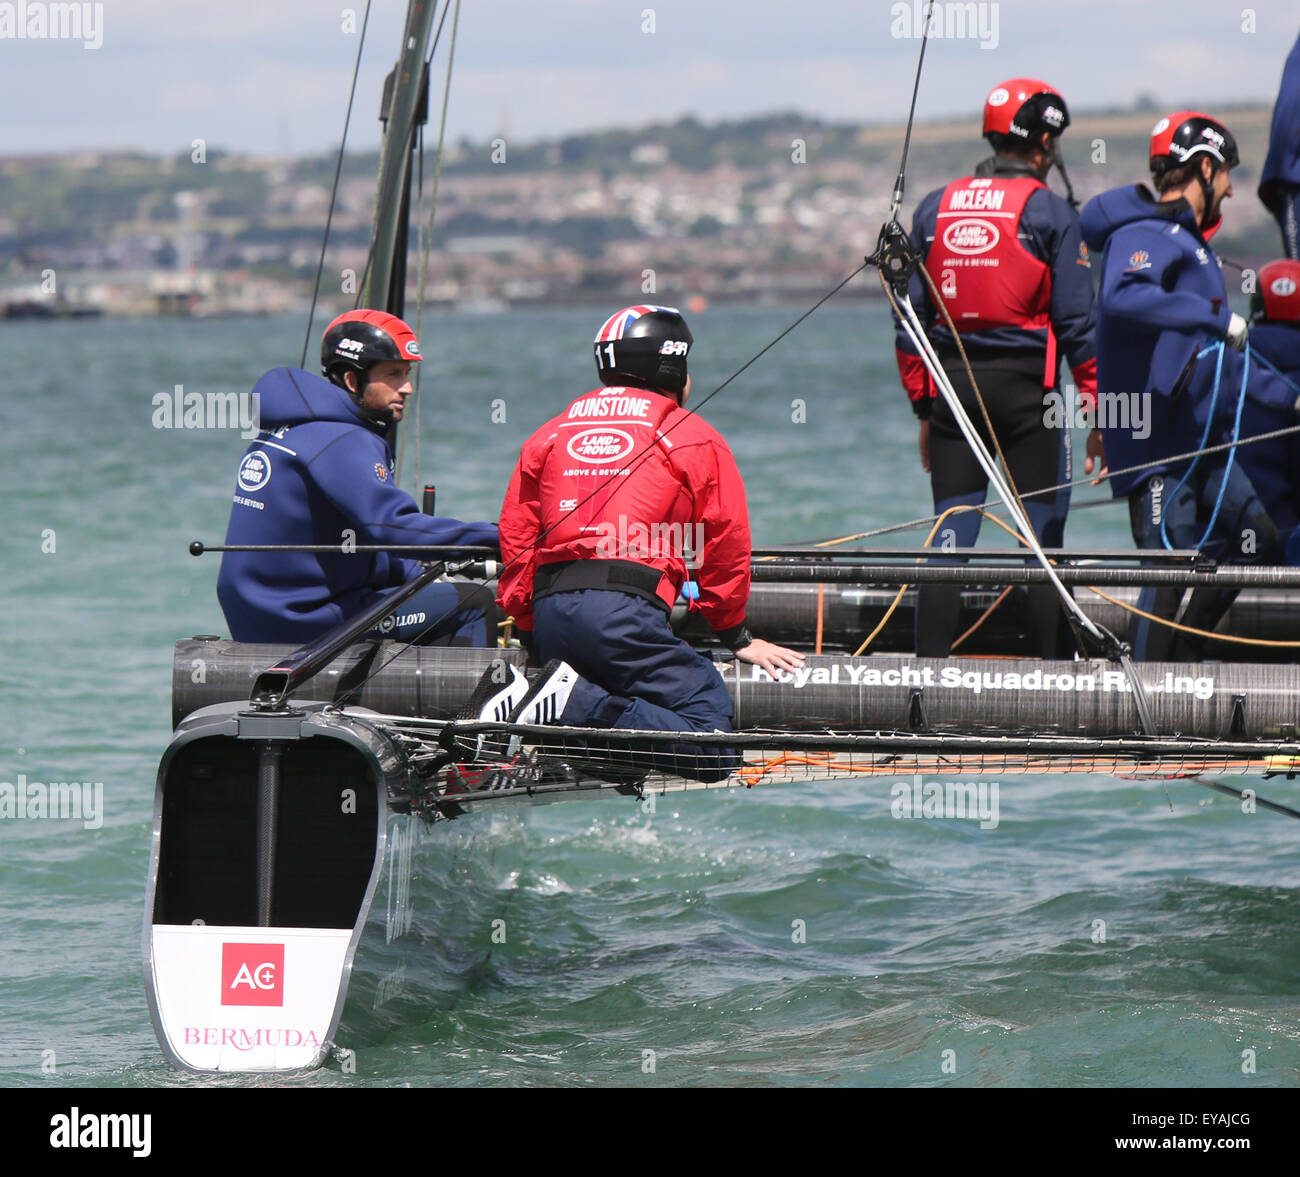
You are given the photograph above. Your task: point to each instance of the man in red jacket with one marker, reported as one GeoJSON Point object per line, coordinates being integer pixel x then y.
{"type": "Point", "coordinates": [613, 506]}
{"type": "Point", "coordinates": [1013, 275]}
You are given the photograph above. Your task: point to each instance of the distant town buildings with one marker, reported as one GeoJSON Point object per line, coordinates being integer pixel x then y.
{"type": "Point", "coordinates": [769, 209]}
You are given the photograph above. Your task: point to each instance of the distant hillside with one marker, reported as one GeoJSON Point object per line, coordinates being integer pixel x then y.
{"type": "Point", "coordinates": [758, 207]}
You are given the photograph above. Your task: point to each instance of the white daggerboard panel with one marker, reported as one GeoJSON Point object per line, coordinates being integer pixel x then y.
{"type": "Point", "coordinates": [248, 999]}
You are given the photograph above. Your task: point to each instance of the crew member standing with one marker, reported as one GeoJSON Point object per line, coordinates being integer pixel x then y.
{"type": "Point", "coordinates": [1279, 182]}
{"type": "Point", "coordinates": [1012, 270]}
{"type": "Point", "coordinates": [613, 505]}
{"type": "Point", "coordinates": [1162, 309]}
{"type": "Point", "coordinates": [320, 472]}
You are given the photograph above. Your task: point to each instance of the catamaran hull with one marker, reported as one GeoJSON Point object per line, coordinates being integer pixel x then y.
{"type": "Point", "coordinates": [269, 844]}
{"type": "Point", "coordinates": [840, 693]}
{"type": "Point", "coordinates": [844, 614]}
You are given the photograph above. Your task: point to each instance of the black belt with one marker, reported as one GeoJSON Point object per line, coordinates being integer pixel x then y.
{"type": "Point", "coordinates": [620, 576]}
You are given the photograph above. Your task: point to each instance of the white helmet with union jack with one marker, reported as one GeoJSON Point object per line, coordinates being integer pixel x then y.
{"type": "Point", "coordinates": [644, 346]}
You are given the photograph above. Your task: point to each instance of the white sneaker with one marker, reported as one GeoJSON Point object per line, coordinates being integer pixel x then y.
{"type": "Point", "coordinates": [492, 702]}
{"type": "Point", "coordinates": [547, 697]}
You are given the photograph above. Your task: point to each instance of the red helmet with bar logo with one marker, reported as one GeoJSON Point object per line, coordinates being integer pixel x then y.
{"type": "Point", "coordinates": [1185, 133]}
{"type": "Point", "coordinates": [1021, 109]}
{"type": "Point", "coordinates": [357, 340]}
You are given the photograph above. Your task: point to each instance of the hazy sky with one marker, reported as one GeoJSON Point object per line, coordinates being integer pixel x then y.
{"type": "Point", "coordinates": [273, 75]}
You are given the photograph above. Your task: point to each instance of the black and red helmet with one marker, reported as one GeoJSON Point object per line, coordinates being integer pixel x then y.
{"type": "Point", "coordinates": [645, 346]}
{"type": "Point", "coordinates": [1277, 295]}
{"type": "Point", "coordinates": [357, 340]}
{"type": "Point", "coordinates": [1021, 109]}
{"type": "Point", "coordinates": [1186, 133]}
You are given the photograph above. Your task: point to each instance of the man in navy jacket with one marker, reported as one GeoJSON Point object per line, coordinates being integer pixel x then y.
{"type": "Point", "coordinates": [1279, 182]}
{"type": "Point", "coordinates": [321, 472]}
{"type": "Point", "coordinates": [1162, 310]}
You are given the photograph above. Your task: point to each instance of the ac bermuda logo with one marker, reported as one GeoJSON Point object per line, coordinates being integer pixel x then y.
{"type": "Point", "coordinates": [970, 236]}
{"type": "Point", "coordinates": [252, 974]}
{"type": "Point", "coordinates": [599, 446]}
{"type": "Point", "coordinates": [255, 470]}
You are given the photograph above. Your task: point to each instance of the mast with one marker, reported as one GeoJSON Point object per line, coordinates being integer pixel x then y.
{"type": "Point", "coordinates": [404, 108]}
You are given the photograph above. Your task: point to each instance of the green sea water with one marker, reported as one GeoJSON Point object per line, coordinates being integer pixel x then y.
{"type": "Point", "coordinates": [797, 935]}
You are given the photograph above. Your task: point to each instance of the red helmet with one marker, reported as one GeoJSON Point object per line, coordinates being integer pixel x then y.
{"type": "Point", "coordinates": [1185, 133]}
{"type": "Point", "coordinates": [357, 340]}
{"type": "Point", "coordinates": [1022, 109]}
{"type": "Point", "coordinates": [1277, 296]}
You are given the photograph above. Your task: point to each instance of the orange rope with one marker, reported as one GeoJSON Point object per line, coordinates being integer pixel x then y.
{"type": "Point", "coordinates": [1200, 633]}
{"type": "Point", "coordinates": [984, 617]}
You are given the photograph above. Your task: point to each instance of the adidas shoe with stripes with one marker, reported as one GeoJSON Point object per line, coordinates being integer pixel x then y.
{"type": "Point", "coordinates": [492, 702]}
{"type": "Point", "coordinates": [548, 695]}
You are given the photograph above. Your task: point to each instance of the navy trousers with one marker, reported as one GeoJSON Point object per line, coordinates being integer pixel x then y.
{"type": "Point", "coordinates": [636, 673]}
{"type": "Point", "coordinates": [1242, 534]}
{"type": "Point", "coordinates": [445, 613]}
{"type": "Point", "coordinates": [1038, 456]}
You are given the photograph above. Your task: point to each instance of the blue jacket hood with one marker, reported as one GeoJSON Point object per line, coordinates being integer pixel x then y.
{"type": "Point", "coordinates": [290, 396]}
{"type": "Point", "coordinates": [1112, 210]}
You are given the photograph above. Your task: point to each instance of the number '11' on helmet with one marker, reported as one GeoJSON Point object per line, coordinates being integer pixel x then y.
{"type": "Point", "coordinates": [644, 346]}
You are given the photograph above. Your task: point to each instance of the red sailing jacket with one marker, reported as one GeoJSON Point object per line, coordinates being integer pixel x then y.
{"type": "Point", "coordinates": [625, 474]}
{"type": "Point", "coordinates": [993, 285]}
{"type": "Point", "coordinates": [977, 235]}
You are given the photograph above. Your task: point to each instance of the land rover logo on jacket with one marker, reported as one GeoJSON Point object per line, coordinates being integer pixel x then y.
{"type": "Point", "coordinates": [600, 445]}
{"type": "Point", "coordinates": [970, 236]}
{"type": "Point", "coordinates": [255, 470]}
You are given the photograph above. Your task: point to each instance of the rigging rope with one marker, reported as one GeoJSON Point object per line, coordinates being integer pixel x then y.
{"type": "Point", "coordinates": [427, 244]}
{"type": "Point", "coordinates": [1273, 435]}
{"type": "Point", "coordinates": [1267, 643]}
{"type": "Point", "coordinates": [334, 190]}
{"type": "Point", "coordinates": [912, 326]}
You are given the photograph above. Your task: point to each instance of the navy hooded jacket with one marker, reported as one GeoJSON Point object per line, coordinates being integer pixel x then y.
{"type": "Point", "coordinates": [1282, 164]}
{"type": "Point", "coordinates": [1161, 301]}
{"type": "Point", "coordinates": [317, 472]}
